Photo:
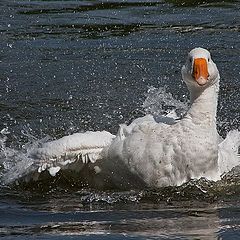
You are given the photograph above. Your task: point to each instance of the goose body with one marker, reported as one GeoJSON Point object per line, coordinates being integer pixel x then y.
{"type": "Point", "coordinates": [164, 154]}
{"type": "Point", "coordinates": [154, 153]}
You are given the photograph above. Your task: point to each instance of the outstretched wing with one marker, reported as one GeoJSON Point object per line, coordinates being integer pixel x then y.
{"type": "Point", "coordinates": [70, 152]}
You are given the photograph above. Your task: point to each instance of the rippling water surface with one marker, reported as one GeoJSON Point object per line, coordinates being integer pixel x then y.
{"type": "Point", "coordinates": [69, 66]}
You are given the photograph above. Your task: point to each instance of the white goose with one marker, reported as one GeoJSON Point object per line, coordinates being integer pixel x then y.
{"type": "Point", "coordinates": [154, 153]}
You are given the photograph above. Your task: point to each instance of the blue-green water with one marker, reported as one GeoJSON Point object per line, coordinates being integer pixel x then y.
{"type": "Point", "coordinates": [69, 66]}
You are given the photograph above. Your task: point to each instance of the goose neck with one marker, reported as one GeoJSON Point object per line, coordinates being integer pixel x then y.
{"type": "Point", "coordinates": [204, 105]}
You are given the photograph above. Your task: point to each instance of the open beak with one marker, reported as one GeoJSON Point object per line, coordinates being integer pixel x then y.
{"type": "Point", "coordinates": [200, 71]}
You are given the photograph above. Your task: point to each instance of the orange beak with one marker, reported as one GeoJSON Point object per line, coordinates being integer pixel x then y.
{"type": "Point", "coordinates": [200, 71]}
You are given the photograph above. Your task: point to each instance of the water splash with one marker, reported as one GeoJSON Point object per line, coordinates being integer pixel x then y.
{"type": "Point", "coordinates": [160, 102]}
{"type": "Point", "coordinates": [16, 162]}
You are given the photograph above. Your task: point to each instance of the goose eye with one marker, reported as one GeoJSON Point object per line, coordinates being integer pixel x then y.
{"type": "Point", "coordinates": [190, 59]}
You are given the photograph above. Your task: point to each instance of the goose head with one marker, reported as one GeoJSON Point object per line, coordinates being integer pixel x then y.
{"type": "Point", "coordinates": [199, 71]}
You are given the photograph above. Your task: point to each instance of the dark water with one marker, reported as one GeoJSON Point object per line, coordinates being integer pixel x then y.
{"type": "Point", "coordinates": [69, 66]}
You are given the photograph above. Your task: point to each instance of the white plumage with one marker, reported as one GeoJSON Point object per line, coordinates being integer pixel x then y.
{"type": "Point", "coordinates": [151, 153]}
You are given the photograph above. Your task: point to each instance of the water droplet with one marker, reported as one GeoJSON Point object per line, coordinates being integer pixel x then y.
{"type": "Point", "coordinates": [9, 45]}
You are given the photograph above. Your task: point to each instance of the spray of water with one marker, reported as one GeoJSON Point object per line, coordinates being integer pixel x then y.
{"type": "Point", "coordinates": [159, 102]}
{"type": "Point", "coordinates": [16, 163]}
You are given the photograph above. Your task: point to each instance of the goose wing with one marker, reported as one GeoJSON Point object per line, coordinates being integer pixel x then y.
{"type": "Point", "coordinates": [70, 152]}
